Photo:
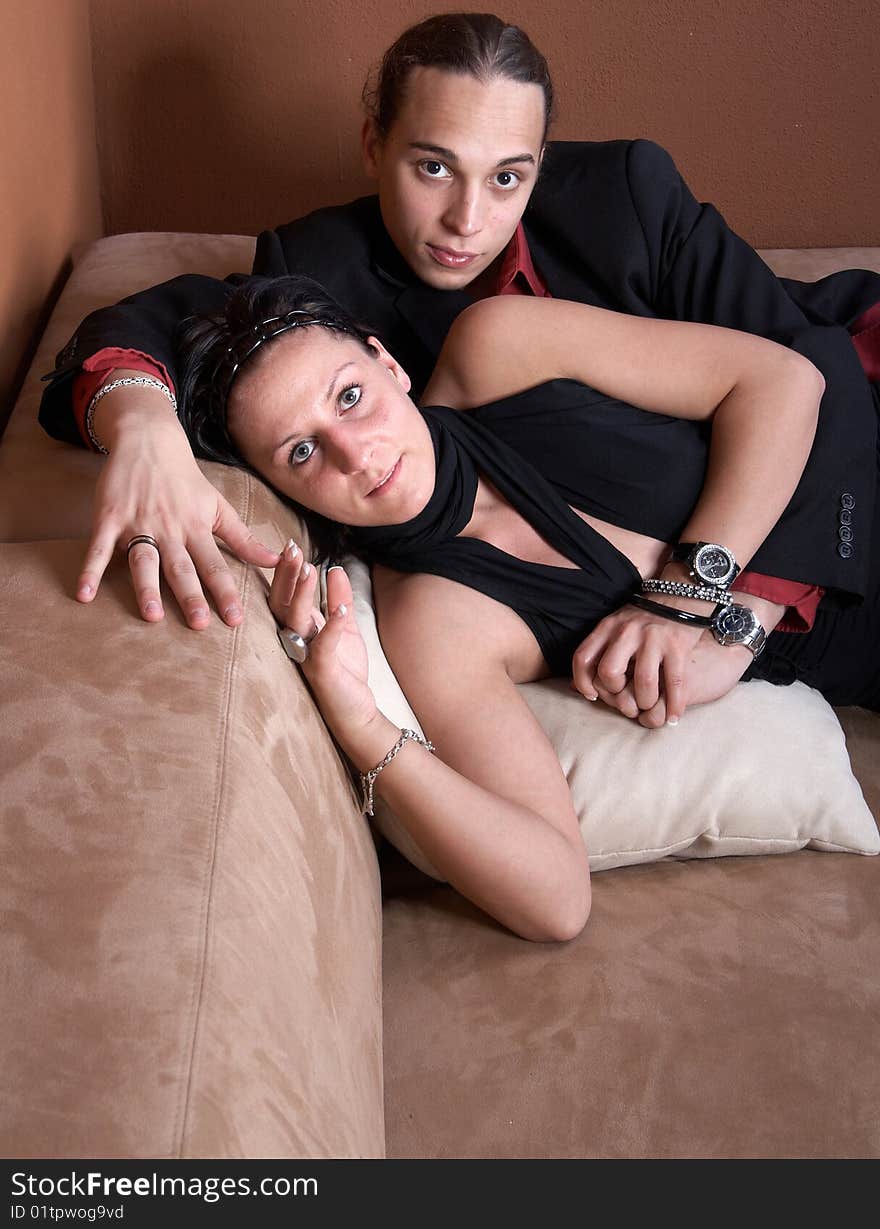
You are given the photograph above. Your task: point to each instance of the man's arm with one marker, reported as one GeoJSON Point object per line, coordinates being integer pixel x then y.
{"type": "Point", "coordinates": [146, 322]}
{"type": "Point", "coordinates": [699, 269]}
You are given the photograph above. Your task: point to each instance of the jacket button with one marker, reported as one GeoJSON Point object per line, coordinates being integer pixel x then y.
{"type": "Point", "coordinates": [845, 533]}
{"type": "Point", "coordinates": [844, 550]}
{"type": "Point", "coordinates": [847, 501]}
{"type": "Point", "coordinates": [845, 517]}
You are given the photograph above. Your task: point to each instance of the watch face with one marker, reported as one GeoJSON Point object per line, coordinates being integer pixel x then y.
{"type": "Point", "coordinates": [713, 564]}
{"type": "Point", "coordinates": [734, 622]}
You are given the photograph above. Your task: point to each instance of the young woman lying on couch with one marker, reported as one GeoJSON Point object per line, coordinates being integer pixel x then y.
{"type": "Point", "coordinates": [549, 518]}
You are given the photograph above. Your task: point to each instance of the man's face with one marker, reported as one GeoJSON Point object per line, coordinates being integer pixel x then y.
{"type": "Point", "coordinates": [456, 171]}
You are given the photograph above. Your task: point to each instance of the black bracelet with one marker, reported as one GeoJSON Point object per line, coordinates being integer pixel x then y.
{"type": "Point", "coordinates": [672, 612]}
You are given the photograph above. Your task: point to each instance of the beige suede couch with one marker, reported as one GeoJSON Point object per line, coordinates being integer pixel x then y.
{"type": "Point", "coordinates": [204, 954]}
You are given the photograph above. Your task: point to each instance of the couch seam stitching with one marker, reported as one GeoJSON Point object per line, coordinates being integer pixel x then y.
{"type": "Point", "coordinates": [182, 1125]}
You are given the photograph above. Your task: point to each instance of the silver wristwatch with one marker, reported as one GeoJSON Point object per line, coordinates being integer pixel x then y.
{"type": "Point", "coordinates": [709, 562]}
{"type": "Point", "coordinates": [734, 624]}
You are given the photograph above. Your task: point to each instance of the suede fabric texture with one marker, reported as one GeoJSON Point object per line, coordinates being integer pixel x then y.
{"type": "Point", "coordinates": [191, 934]}
{"type": "Point", "coordinates": [190, 903]}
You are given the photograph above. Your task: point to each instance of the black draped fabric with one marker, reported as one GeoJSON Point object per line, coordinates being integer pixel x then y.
{"type": "Point", "coordinates": [562, 444]}
{"type": "Point", "coordinates": [544, 449]}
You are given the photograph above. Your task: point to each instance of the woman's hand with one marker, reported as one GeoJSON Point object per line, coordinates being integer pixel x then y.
{"type": "Point", "coordinates": [152, 485]}
{"type": "Point", "coordinates": [336, 665]}
{"type": "Point", "coordinates": [633, 659]}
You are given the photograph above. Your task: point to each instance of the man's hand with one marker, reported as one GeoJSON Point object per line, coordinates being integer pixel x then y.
{"type": "Point", "coordinates": [152, 485]}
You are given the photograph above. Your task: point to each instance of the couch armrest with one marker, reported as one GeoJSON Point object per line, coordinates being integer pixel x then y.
{"type": "Point", "coordinates": [192, 933]}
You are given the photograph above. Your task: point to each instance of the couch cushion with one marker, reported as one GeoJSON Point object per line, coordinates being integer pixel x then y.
{"type": "Point", "coordinates": [191, 936]}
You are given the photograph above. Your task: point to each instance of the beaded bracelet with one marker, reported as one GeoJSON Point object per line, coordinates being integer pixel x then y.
{"type": "Point", "coordinates": [681, 588]}
{"type": "Point", "coordinates": [123, 381]}
{"type": "Point", "coordinates": [368, 779]}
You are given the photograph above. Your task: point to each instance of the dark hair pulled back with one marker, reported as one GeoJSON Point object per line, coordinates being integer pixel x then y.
{"type": "Point", "coordinates": [204, 344]}
{"type": "Point", "coordinates": [477, 44]}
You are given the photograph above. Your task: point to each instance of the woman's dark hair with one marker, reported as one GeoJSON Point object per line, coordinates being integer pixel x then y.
{"type": "Point", "coordinates": [477, 44]}
{"type": "Point", "coordinates": [214, 349]}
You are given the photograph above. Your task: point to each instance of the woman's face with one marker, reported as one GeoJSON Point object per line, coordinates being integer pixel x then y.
{"type": "Point", "coordinates": [330, 424]}
{"type": "Point", "coordinates": [456, 171]}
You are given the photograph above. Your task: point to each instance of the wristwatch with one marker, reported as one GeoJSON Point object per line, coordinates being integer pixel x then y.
{"type": "Point", "coordinates": [734, 624]}
{"type": "Point", "coordinates": [709, 563]}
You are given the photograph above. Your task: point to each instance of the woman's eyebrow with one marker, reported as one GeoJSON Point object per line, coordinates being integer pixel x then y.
{"type": "Point", "coordinates": [336, 374]}
{"type": "Point", "coordinates": [327, 396]}
{"type": "Point", "coordinates": [449, 156]}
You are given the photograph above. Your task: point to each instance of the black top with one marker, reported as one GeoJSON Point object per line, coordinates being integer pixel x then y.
{"type": "Point", "coordinates": [544, 449]}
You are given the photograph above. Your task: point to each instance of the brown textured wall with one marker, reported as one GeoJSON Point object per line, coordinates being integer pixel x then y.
{"type": "Point", "coordinates": [219, 116]}
{"type": "Point", "coordinates": [49, 191]}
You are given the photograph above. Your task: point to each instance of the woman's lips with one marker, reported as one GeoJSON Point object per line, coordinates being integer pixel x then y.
{"type": "Point", "coordinates": [385, 485]}
{"type": "Point", "coordinates": [451, 259]}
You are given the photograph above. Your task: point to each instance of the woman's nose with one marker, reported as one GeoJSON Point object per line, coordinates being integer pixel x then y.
{"type": "Point", "coordinates": [350, 448]}
{"type": "Point", "coordinates": [464, 212]}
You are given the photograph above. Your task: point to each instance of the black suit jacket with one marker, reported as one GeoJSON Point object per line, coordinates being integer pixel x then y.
{"type": "Point", "coordinates": [611, 224]}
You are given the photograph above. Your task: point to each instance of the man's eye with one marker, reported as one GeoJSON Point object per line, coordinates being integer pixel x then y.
{"type": "Point", "coordinates": [506, 179]}
{"type": "Point", "coordinates": [349, 397]}
{"type": "Point", "coordinates": [301, 452]}
{"type": "Point", "coordinates": [434, 169]}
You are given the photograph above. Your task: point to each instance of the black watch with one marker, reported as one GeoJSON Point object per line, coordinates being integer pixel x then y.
{"type": "Point", "coordinates": [709, 563]}
{"type": "Point", "coordinates": [733, 624]}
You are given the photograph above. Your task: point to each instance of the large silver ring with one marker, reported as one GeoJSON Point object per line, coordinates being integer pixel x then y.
{"type": "Point", "coordinates": [141, 537]}
{"type": "Point", "coordinates": [296, 646]}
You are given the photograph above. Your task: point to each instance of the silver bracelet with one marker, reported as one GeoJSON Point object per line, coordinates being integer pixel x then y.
{"type": "Point", "coordinates": [368, 779]}
{"type": "Point", "coordinates": [147, 381]}
{"type": "Point", "coordinates": [680, 588]}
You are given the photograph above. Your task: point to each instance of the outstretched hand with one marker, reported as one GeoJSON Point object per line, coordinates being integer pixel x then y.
{"type": "Point", "coordinates": [153, 486]}
{"type": "Point", "coordinates": [336, 666]}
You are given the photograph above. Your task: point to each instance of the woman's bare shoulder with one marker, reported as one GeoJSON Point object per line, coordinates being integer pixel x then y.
{"type": "Point", "coordinates": [433, 623]}
{"type": "Point", "coordinates": [488, 354]}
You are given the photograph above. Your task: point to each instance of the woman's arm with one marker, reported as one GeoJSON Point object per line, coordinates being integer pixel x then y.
{"type": "Point", "coordinates": [491, 810]}
{"type": "Point", "coordinates": [762, 400]}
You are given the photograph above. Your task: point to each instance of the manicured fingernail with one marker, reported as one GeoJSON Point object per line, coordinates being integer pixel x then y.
{"type": "Point", "coordinates": [672, 721]}
{"type": "Point", "coordinates": [232, 612]}
{"type": "Point", "coordinates": [592, 697]}
{"type": "Point", "coordinates": [85, 591]}
{"type": "Point", "coordinates": [342, 610]}
{"type": "Point", "coordinates": [152, 608]}
{"type": "Point", "coordinates": [307, 569]}
{"type": "Point", "coordinates": [291, 550]}
{"type": "Point", "coordinates": [201, 612]}
{"type": "Point", "coordinates": [335, 567]}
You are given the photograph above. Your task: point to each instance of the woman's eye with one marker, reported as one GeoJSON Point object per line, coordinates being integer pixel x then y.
{"type": "Point", "coordinates": [301, 452]}
{"type": "Point", "coordinates": [349, 397]}
{"type": "Point", "coordinates": [506, 179]}
{"type": "Point", "coordinates": [434, 169]}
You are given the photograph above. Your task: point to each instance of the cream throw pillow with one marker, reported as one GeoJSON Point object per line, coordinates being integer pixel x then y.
{"type": "Point", "coordinates": [763, 770]}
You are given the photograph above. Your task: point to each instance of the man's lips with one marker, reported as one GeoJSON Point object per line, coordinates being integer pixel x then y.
{"type": "Point", "coordinates": [450, 258]}
{"type": "Point", "coordinates": [385, 483]}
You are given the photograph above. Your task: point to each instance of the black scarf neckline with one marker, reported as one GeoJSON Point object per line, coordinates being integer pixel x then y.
{"type": "Point", "coordinates": [463, 449]}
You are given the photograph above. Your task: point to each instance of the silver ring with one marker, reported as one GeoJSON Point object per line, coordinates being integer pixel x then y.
{"type": "Point", "coordinates": [296, 646]}
{"type": "Point", "coordinates": [141, 537]}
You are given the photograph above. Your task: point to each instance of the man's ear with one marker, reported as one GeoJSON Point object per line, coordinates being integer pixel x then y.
{"type": "Point", "coordinates": [371, 147]}
{"type": "Point", "coordinates": [390, 363]}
